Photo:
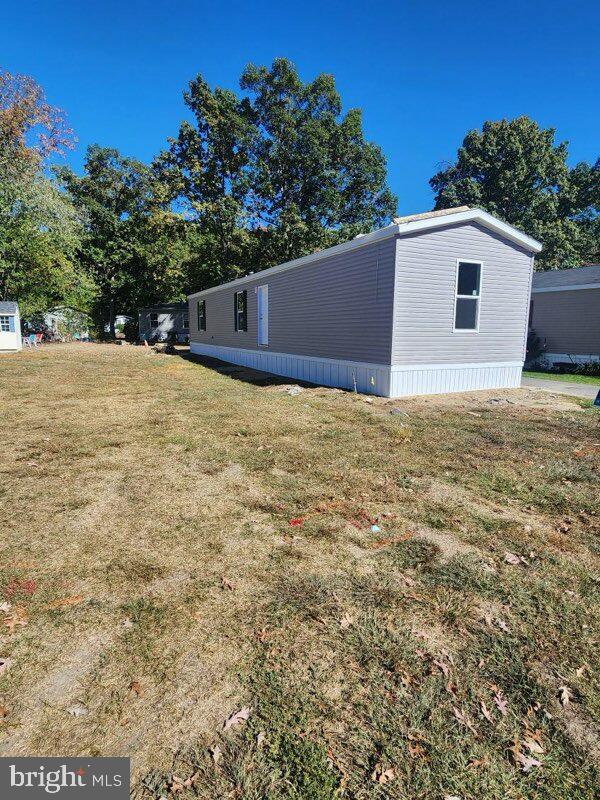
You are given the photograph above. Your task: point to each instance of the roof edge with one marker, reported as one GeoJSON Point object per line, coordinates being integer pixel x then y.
{"type": "Point", "coordinates": [395, 229]}
{"type": "Point", "coordinates": [345, 247]}
{"type": "Point", "coordinates": [474, 215]}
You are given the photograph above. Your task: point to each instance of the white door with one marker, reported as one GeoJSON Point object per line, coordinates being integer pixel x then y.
{"type": "Point", "coordinates": [263, 315]}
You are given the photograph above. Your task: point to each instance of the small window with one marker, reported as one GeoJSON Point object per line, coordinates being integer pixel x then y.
{"type": "Point", "coordinates": [154, 320]}
{"type": "Point", "coordinates": [468, 287]}
{"type": "Point", "coordinates": [201, 315]}
{"type": "Point", "coordinates": [240, 310]}
{"type": "Point", "coordinates": [186, 322]}
{"type": "Point", "coordinates": [4, 323]}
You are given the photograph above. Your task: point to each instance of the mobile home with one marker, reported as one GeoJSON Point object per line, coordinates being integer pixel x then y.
{"type": "Point", "coordinates": [435, 302]}
{"type": "Point", "coordinates": [565, 314]}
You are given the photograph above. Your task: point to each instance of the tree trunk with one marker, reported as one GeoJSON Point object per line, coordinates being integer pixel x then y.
{"type": "Point", "coordinates": [111, 318]}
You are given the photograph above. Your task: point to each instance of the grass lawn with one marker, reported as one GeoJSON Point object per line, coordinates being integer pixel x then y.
{"type": "Point", "coordinates": [554, 376]}
{"type": "Point", "coordinates": [153, 585]}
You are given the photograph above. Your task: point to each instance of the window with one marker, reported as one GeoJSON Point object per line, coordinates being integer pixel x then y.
{"type": "Point", "coordinates": [154, 320]}
{"type": "Point", "coordinates": [186, 322]}
{"type": "Point", "coordinates": [468, 288]}
{"type": "Point", "coordinates": [201, 315]}
{"type": "Point", "coordinates": [4, 323]}
{"type": "Point", "coordinates": [240, 310]}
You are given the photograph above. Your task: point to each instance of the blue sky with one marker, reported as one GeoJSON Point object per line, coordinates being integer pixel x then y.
{"type": "Point", "coordinates": [422, 72]}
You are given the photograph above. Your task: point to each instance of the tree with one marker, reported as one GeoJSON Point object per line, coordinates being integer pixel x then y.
{"type": "Point", "coordinates": [315, 178]}
{"type": "Point", "coordinates": [513, 169]}
{"type": "Point", "coordinates": [133, 247]}
{"type": "Point", "coordinates": [272, 175]}
{"type": "Point", "coordinates": [39, 228]}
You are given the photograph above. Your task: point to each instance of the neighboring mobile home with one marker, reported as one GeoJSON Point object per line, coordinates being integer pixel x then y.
{"type": "Point", "coordinates": [10, 326]}
{"type": "Point", "coordinates": [565, 314]}
{"type": "Point", "coordinates": [433, 303]}
{"type": "Point", "coordinates": [165, 321]}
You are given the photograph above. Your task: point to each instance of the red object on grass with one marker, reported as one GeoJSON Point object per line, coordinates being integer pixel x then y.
{"type": "Point", "coordinates": [296, 521]}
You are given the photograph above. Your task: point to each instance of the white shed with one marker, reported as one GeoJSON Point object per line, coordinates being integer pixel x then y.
{"type": "Point", "coordinates": [10, 326]}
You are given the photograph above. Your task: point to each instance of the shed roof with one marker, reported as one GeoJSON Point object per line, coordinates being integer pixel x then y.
{"type": "Point", "coordinates": [165, 307]}
{"type": "Point", "coordinates": [8, 307]}
{"type": "Point", "coordinates": [565, 279]}
{"type": "Point", "coordinates": [402, 226]}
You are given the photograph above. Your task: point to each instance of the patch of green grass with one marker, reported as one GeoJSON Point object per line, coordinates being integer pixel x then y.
{"type": "Point", "coordinates": [562, 377]}
{"type": "Point", "coordinates": [414, 553]}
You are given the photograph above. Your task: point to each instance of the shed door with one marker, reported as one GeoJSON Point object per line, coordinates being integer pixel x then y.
{"type": "Point", "coordinates": [263, 314]}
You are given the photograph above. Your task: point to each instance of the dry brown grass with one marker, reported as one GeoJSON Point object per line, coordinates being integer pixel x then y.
{"type": "Point", "coordinates": [154, 495]}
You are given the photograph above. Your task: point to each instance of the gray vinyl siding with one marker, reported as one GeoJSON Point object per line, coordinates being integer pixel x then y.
{"type": "Point", "coordinates": [338, 307]}
{"type": "Point", "coordinates": [168, 321]}
{"type": "Point", "coordinates": [569, 321]}
{"type": "Point", "coordinates": [425, 293]}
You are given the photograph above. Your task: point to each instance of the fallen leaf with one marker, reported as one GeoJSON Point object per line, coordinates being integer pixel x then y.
{"type": "Point", "coordinates": [451, 688]}
{"type": "Point", "coordinates": [565, 695]}
{"type": "Point", "coordinates": [77, 711]}
{"type": "Point", "coordinates": [346, 621]}
{"type": "Point", "coordinates": [527, 763]}
{"type": "Point", "coordinates": [533, 746]}
{"type": "Point", "coordinates": [65, 601]}
{"type": "Point", "coordinates": [406, 680]}
{"type": "Point", "coordinates": [511, 558]}
{"type": "Point", "coordinates": [3, 712]}
{"type": "Point", "coordinates": [444, 667]}
{"type": "Point", "coordinates": [463, 719]}
{"type": "Point", "coordinates": [227, 584]}
{"type": "Point", "coordinates": [485, 711]}
{"type": "Point", "coordinates": [381, 775]}
{"type": "Point", "coordinates": [16, 617]}
{"type": "Point", "coordinates": [191, 780]}
{"type": "Point", "coordinates": [127, 623]}
{"type": "Point", "coordinates": [454, 796]}
{"type": "Point", "coordinates": [502, 625]}
{"type": "Point", "coordinates": [501, 702]}
{"type": "Point", "coordinates": [216, 753]}
{"type": "Point", "coordinates": [5, 607]}
{"type": "Point", "coordinates": [135, 686]}
{"type": "Point", "coordinates": [260, 738]}
{"type": "Point", "coordinates": [416, 750]}
{"type": "Point", "coordinates": [5, 664]}
{"type": "Point", "coordinates": [478, 762]}
{"type": "Point", "coordinates": [579, 672]}
{"type": "Point", "coordinates": [237, 717]}
{"type": "Point", "coordinates": [296, 521]}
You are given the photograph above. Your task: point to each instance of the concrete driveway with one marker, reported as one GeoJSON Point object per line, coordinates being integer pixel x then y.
{"type": "Point", "coordinates": [586, 390]}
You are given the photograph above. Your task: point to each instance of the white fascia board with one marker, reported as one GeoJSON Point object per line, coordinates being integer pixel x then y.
{"type": "Point", "coordinates": [571, 288]}
{"type": "Point", "coordinates": [402, 229]}
{"type": "Point", "coordinates": [473, 215]}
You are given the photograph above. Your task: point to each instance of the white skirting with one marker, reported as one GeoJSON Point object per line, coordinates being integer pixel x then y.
{"type": "Point", "coordinates": [379, 379]}
{"type": "Point", "coordinates": [444, 378]}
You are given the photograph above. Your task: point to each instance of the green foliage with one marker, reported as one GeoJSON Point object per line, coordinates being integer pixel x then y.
{"type": "Point", "coordinates": [513, 169]}
{"type": "Point", "coordinates": [272, 175]}
{"type": "Point", "coordinates": [131, 248]}
{"type": "Point", "coordinates": [39, 227]}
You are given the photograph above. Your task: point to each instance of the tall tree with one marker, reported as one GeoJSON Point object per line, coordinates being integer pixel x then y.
{"type": "Point", "coordinates": [274, 174]}
{"type": "Point", "coordinates": [315, 178]}
{"type": "Point", "coordinates": [130, 245]}
{"type": "Point", "coordinates": [39, 227]}
{"type": "Point", "coordinates": [513, 169]}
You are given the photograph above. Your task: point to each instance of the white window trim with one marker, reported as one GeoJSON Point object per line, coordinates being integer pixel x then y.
{"type": "Point", "coordinates": [2, 318]}
{"type": "Point", "coordinates": [467, 296]}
